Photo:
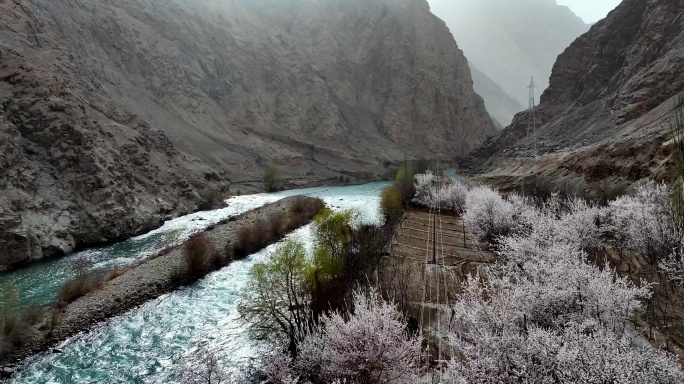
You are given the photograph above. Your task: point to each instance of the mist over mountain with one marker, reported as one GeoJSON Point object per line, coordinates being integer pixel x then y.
{"type": "Point", "coordinates": [499, 105]}
{"type": "Point", "coordinates": [511, 41]}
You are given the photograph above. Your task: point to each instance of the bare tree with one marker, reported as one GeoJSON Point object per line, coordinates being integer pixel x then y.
{"type": "Point", "coordinates": [82, 266]}
{"type": "Point", "coordinates": [208, 369]}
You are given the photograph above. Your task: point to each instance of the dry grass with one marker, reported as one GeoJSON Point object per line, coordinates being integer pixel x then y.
{"type": "Point", "coordinates": [77, 288]}
{"type": "Point", "coordinates": [85, 283]}
{"type": "Point", "coordinates": [261, 234]}
{"type": "Point", "coordinates": [18, 325]}
{"type": "Point", "coordinates": [116, 273]}
{"type": "Point", "coordinates": [197, 253]}
{"type": "Point", "coordinates": [178, 275]}
{"type": "Point", "coordinates": [55, 319]}
{"type": "Point", "coordinates": [302, 211]}
{"type": "Point", "coordinates": [276, 228]}
{"type": "Point", "coordinates": [165, 251]}
{"type": "Point", "coordinates": [245, 243]}
{"type": "Point", "coordinates": [33, 314]}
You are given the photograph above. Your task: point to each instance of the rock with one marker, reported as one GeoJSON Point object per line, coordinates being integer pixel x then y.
{"type": "Point", "coordinates": [610, 92]}
{"type": "Point", "coordinates": [57, 350]}
{"type": "Point", "coordinates": [6, 372]}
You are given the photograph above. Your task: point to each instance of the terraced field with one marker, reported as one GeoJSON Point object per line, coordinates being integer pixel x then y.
{"type": "Point", "coordinates": [431, 257]}
{"type": "Point", "coordinates": [441, 240]}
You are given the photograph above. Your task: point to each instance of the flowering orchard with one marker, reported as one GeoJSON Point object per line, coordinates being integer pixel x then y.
{"type": "Point", "coordinates": [544, 313]}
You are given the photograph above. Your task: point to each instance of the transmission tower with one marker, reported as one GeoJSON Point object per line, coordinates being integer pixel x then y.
{"type": "Point", "coordinates": [532, 117]}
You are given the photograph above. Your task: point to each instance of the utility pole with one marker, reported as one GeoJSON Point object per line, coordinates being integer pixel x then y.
{"type": "Point", "coordinates": [435, 212]}
{"type": "Point", "coordinates": [532, 118]}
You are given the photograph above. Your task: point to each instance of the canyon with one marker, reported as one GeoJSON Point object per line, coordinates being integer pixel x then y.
{"type": "Point", "coordinates": [118, 115]}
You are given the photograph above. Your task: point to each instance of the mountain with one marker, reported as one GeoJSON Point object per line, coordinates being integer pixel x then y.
{"type": "Point", "coordinates": [118, 114]}
{"type": "Point", "coordinates": [608, 110]}
{"type": "Point", "coordinates": [501, 106]}
{"type": "Point", "coordinates": [511, 41]}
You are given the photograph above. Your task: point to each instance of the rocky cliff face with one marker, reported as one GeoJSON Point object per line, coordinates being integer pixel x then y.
{"type": "Point", "coordinates": [511, 41]}
{"type": "Point", "coordinates": [75, 170]}
{"type": "Point", "coordinates": [115, 115]}
{"type": "Point", "coordinates": [607, 110]}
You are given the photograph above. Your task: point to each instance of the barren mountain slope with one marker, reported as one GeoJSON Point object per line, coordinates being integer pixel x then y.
{"type": "Point", "coordinates": [116, 114]}
{"type": "Point", "coordinates": [75, 170]}
{"type": "Point", "coordinates": [607, 110]}
{"type": "Point", "coordinates": [362, 81]}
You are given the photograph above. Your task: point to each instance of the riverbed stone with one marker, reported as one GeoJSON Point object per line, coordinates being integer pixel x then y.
{"type": "Point", "coordinates": [6, 372]}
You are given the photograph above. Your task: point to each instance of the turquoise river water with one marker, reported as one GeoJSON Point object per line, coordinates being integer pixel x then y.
{"type": "Point", "coordinates": [144, 345]}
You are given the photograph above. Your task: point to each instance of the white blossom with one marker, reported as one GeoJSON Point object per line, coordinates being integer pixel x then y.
{"type": "Point", "coordinates": [449, 196]}
{"type": "Point", "coordinates": [544, 313]}
{"type": "Point", "coordinates": [646, 221]}
{"type": "Point", "coordinates": [370, 345]}
{"type": "Point", "coordinates": [500, 340]}
{"type": "Point", "coordinates": [487, 214]}
{"type": "Point", "coordinates": [424, 184]}
{"type": "Point", "coordinates": [453, 197]}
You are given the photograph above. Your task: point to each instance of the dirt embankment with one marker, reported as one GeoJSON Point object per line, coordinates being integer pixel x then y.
{"type": "Point", "coordinates": [149, 280]}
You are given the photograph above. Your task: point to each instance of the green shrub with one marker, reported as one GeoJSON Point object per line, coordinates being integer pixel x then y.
{"type": "Point", "coordinates": [276, 298]}
{"type": "Point", "coordinates": [272, 180]}
{"type": "Point", "coordinates": [332, 232]}
{"type": "Point", "coordinates": [391, 205]}
{"type": "Point", "coordinates": [404, 183]}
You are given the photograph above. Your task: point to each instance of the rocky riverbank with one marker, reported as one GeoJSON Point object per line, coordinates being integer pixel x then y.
{"type": "Point", "coordinates": [149, 280]}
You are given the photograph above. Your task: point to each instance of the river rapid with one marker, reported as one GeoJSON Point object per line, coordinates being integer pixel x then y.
{"type": "Point", "coordinates": [145, 345]}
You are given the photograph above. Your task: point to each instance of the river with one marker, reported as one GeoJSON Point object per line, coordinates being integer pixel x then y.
{"type": "Point", "coordinates": [143, 345]}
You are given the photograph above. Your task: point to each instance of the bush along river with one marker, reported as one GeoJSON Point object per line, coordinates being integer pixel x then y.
{"type": "Point", "coordinates": [143, 345]}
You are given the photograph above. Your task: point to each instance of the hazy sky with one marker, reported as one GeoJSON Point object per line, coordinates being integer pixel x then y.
{"type": "Point", "coordinates": [590, 11]}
